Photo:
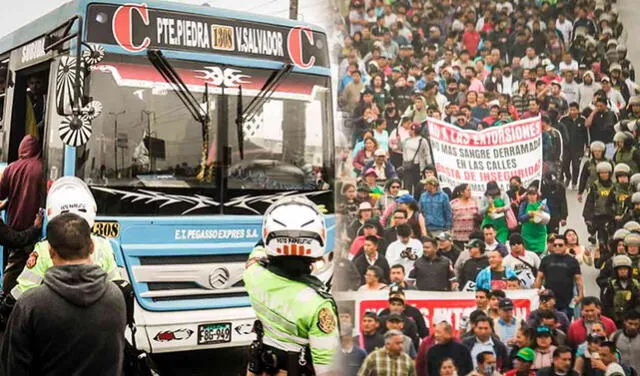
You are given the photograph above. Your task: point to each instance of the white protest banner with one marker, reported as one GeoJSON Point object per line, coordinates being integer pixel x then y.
{"type": "Point", "coordinates": [453, 307]}
{"type": "Point", "coordinates": [478, 157]}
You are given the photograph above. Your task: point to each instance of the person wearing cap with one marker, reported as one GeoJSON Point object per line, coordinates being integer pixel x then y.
{"type": "Point", "coordinates": [627, 339]}
{"type": "Point", "coordinates": [543, 347]}
{"type": "Point", "coordinates": [411, 312]}
{"type": "Point", "coordinates": [523, 361]}
{"type": "Point", "coordinates": [370, 178]}
{"type": "Point", "coordinates": [506, 325]}
{"type": "Point", "coordinates": [615, 99]}
{"type": "Point", "coordinates": [397, 305]}
{"type": "Point", "coordinates": [473, 266]}
{"type": "Point", "coordinates": [418, 111]}
{"type": "Point", "coordinates": [370, 337]}
{"type": "Point", "coordinates": [617, 82]}
{"type": "Point", "coordinates": [586, 351]}
{"type": "Point", "coordinates": [371, 227]}
{"type": "Point", "coordinates": [432, 272]}
{"type": "Point", "coordinates": [447, 248]}
{"type": "Point", "coordinates": [435, 206]}
{"type": "Point", "coordinates": [364, 212]}
{"type": "Point", "coordinates": [548, 303]}
{"type": "Point", "coordinates": [395, 321]}
{"type": "Point", "coordinates": [383, 169]}
{"type": "Point", "coordinates": [371, 257]}
{"type": "Point", "coordinates": [622, 293]}
{"type": "Point", "coordinates": [626, 152]}
{"type": "Point", "coordinates": [405, 250]}
{"type": "Point", "coordinates": [523, 262]}
{"type": "Point", "coordinates": [350, 357]}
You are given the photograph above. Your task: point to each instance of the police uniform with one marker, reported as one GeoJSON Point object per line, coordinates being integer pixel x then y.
{"type": "Point", "coordinates": [599, 209]}
{"type": "Point", "coordinates": [298, 316]}
{"type": "Point", "coordinates": [622, 194]}
{"type": "Point", "coordinates": [39, 262]}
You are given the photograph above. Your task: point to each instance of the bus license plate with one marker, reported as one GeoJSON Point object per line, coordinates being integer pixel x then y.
{"type": "Point", "coordinates": [214, 333]}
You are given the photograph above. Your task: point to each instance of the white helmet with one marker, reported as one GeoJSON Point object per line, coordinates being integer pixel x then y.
{"type": "Point", "coordinates": [71, 195]}
{"type": "Point", "coordinates": [294, 226]}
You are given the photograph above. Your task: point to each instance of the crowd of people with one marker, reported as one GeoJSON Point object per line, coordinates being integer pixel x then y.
{"type": "Point", "coordinates": [477, 65]}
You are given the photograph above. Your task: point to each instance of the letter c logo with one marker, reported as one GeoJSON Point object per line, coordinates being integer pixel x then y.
{"type": "Point", "coordinates": [123, 26]}
{"type": "Point", "coordinates": [294, 46]}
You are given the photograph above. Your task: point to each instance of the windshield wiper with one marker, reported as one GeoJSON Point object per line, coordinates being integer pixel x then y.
{"type": "Point", "coordinates": [201, 115]}
{"type": "Point", "coordinates": [267, 90]}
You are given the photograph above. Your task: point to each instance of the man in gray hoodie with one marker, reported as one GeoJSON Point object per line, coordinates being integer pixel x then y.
{"type": "Point", "coordinates": [74, 323]}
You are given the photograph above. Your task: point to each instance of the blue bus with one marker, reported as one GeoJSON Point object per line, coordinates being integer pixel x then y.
{"type": "Point", "coordinates": [186, 122]}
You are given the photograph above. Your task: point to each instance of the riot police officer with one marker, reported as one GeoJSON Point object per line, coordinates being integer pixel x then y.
{"type": "Point", "coordinates": [589, 173]}
{"type": "Point", "coordinates": [622, 193]}
{"type": "Point", "coordinates": [298, 315]}
{"type": "Point", "coordinates": [599, 207]}
{"type": "Point", "coordinates": [622, 293]}
{"type": "Point", "coordinates": [626, 151]}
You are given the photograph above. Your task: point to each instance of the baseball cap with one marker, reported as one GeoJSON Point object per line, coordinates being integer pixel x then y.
{"type": "Point", "coordinates": [605, 78]}
{"type": "Point", "coordinates": [371, 171]}
{"type": "Point", "coordinates": [405, 199]}
{"type": "Point", "coordinates": [615, 66]}
{"type": "Point", "coordinates": [397, 298]}
{"type": "Point", "coordinates": [546, 295]}
{"type": "Point", "coordinates": [364, 188]}
{"type": "Point", "coordinates": [378, 153]}
{"type": "Point", "coordinates": [395, 317]}
{"type": "Point", "coordinates": [527, 354]}
{"type": "Point", "coordinates": [505, 304]}
{"type": "Point", "coordinates": [370, 223]}
{"type": "Point", "coordinates": [542, 331]}
{"type": "Point", "coordinates": [396, 290]}
{"type": "Point", "coordinates": [444, 236]}
{"type": "Point", "coordinates": [365, 206]}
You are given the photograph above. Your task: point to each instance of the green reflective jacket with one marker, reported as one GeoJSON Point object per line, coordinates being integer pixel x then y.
{"type": "Point", "coordinates": [293, 314]}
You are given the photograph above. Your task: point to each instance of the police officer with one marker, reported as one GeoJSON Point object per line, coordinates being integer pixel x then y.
{"type": "Point", "coordinates": [589, 174]}
{"type": "Point", "coordinates": [67, 195]}
{"type": "Point", "coordinates": [626, 151]}
{"type": "Point", "coordinates": [600, 204]}
{"type": "Point", "coordinates": [622, 193]}
{"type": "Point", "coordinates": [622, 293]}
{"type": "Point", "coordinates": [298, 316]}
{"type": "Point", "coordinates": [633, 214]}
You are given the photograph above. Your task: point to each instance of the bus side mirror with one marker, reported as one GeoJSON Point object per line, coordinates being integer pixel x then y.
{"type": "Point", "coordinates": [69, 79]}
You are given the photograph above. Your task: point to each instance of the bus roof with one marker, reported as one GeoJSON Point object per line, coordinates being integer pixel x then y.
{"type": "Point", "coordinates": [56, 17]}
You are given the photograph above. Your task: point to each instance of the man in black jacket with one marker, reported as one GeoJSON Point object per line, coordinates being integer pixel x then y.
{"type": "Point", "coordinates": [554, 192]}
{"type": "Point", "coordinates": [410, 311]}
{"type": "Point", "coordinates": [561, 366]}
{"type": "Point", "coordinates": [484, 340]}
{"type": "Point", "coordinates": [371, 257]}
{"type": "Point", "coordinates": [74, 323]}
{"type": "Point", "coordinates": [576, 143]}
{"type": "Point", "coordinates": [446, 347]}
{"type": "Point", "coordinates": [17, 239]}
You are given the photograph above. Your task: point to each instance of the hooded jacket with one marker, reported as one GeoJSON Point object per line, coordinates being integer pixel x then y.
{"type": "Point", "coordinates": [22, 184]}
{"type": "Point", "coordinates": [72, 325]}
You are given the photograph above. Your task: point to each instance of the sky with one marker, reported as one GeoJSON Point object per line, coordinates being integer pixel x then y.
{"type": "Point", "coordinates": [312, 11]}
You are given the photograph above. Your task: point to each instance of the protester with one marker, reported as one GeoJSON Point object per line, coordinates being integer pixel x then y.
{"type": "Point", "coordinates": [389, 360]}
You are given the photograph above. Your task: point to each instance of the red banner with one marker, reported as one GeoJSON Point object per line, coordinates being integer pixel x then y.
{"type": "Point", "coordinates": [435, 307]}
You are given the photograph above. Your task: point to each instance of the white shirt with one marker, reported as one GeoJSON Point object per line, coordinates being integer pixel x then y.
{"type": "Point", "coordinates": [573, 66]}
{"type": "Point", "coordinates": [524, 272]}
{"type": "Point", "coordinates": [396, 248]}
{"type": "Point", "coordinates": [527, 63]}
{"type": "Point", "coordinates": [616, 100]}
{"type": "Point", "coordinates": [566, 28]}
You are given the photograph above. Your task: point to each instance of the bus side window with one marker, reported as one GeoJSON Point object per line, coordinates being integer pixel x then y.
{"type": "Point", "coordinates": [4, 81]}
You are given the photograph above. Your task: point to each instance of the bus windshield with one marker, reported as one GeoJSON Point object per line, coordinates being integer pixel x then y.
{"type": "Point", "coordinates": [146, 137]}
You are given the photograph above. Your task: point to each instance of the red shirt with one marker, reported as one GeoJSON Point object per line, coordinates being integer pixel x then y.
{"type": "Point", "coordinates": [471, 40]}
{"type": "Point", "coordinates": [513, 372]}
{"type": "Point", "coordinates": [577, 333]}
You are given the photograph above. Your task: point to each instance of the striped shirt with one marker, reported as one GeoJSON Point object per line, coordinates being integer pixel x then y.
{"type": "Point", "coordinates": [381, 363]}
{"type": "Point", "coordinates": [464, 216]}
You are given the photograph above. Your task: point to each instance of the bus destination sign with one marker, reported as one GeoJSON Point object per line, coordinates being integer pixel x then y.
{"type": "Point", "coordinates": [135, 28]}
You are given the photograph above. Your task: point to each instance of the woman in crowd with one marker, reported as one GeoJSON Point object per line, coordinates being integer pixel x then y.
{"type": "Point", "coordinates": [493, 206]}
{"type": "Point", "coordinates": [465, 212]}
{"type": "Point", "coordinates": [365, 155]}
{"type": "Point", "coordinates": [533, 214]}
{"type": "Point", "coordinates": [544, 347]}
{"type": "Point", "coordinates": [578, 251]}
